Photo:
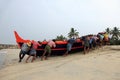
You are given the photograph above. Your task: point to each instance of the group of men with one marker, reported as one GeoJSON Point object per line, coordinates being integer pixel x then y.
{"type": "Point", "coordinates": [89, 42]}
{"type": "Point", "coordinates": [95, 41]}
{"type": "Point", "coordinates": [31, 47]}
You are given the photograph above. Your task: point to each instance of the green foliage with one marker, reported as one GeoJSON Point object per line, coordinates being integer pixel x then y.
{"type": "Point", "coordinates": [114, 42]}
{"type": "Point", "coordinates": [115, 32]}
{"type": "Point", "coordinates": [61, 37]}
{"type": "Point", "coordinates": [73, 33]}
{"type": "Point", "coordinates": [108, 30]}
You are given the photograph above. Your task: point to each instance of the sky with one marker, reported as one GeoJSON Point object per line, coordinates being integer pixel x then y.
{"type": "Point", "coordinates": [46, 19]}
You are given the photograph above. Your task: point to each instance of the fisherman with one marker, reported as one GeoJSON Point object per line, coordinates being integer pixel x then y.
{"type": "Point", "coordinates": [33, 50]}
{"type": "Point", "coordinates": [91, 42]}
{"type": "Point", "coordinates": [101, 37]}
{"type": "Point", "coordinates": [106, 38]}
{"type": "Point", "coordinates": [70, 43]}
{"type": "Point", "coordinates": [94, 41]}
{"type": "Point", "coordinates": [47, 49]}
{"type": "Point", "coordinates": [24, 50]}
{"type": "Point", "coordinates": [86, 44]}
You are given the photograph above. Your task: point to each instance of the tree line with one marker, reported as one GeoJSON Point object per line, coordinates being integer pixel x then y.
{"type": "Point", "coordinates": [113, 33]}
{"type": "Point", "coordinates": [72, 34]}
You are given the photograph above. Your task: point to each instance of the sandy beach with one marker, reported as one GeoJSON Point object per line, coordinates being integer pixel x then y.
{"type": "Point", "coordinates": [100, 64]}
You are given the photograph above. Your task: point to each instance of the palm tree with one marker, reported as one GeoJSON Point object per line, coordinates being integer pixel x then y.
{"type": "Point", "coordinates": [115, 33]}
{"type": "Point", "coordinates": [108, 30]}
{"type": "Point", "coordinates": [61, 37]}
{"type": "Point", "coordinates": [73, 33]}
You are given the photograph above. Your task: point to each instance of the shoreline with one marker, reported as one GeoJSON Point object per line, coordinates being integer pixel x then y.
{"type": "Point", "coordinates": [3, 54]}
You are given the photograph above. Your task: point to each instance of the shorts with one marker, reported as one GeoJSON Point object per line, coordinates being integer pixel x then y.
{"type": "Point", "coordinates": [23, 52]}
{"type": "Point", "coordinates": [32, 52]}
{"type": "Point", "coordinates": [69, 46]}
{"type": "Point", "coordinates": [47, 49]}
{"type": "Point", "coordinates": [86, 47]}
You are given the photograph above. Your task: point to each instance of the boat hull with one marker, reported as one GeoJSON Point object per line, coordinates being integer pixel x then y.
{"type": "Point", "coordinates": [60, 48]}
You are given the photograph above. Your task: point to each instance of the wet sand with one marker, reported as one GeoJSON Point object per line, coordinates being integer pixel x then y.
{"type": "Point", "coordinates": [3, 54]}
{"type": "Point", "coordinates": [100, 64]}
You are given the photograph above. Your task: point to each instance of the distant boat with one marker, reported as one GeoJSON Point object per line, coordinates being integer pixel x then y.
{"type": "Point", "coordinates": [58, 50]}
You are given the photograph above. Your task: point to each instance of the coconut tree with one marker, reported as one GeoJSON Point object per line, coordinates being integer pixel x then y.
{"type": "Point", "coordinates": [108, 30]}
{"type": "Point", "coordinates": [115, 33]}
{"type": "Point", "coordinates": [73, 33]}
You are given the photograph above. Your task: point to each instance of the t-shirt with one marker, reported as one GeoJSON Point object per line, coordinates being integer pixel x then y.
{"type": "Point", "coordinates": [71, 41]}
{"type": "Point", "coordinates": [51, 43]}
{"type": "Point", "coordinates": [86, 42]}
{"type": "Point", "coordinates": [35, 45]}
{"type": "Point", "coordinates": [25, 47]}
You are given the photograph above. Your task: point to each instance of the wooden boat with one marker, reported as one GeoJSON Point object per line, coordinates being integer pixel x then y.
{"type": "Point", "coordinates": [58, 50]}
